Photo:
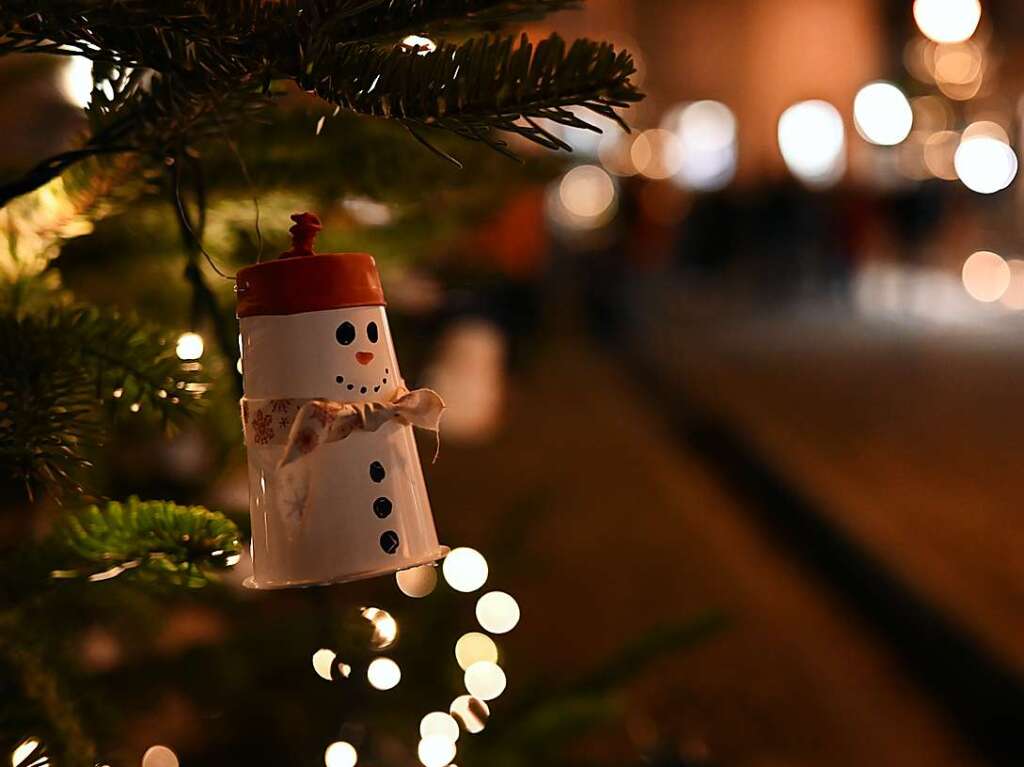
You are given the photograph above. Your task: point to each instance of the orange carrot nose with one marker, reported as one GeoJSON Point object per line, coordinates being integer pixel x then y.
{"type": "Point", "coordinates": [364, 358]}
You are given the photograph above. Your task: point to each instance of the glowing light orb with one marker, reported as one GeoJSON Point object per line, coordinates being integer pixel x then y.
{"type": "Point", "coordinates": [417, 582]}
{"type": "Point", "coordinates": [439, 723]}
{"type": "Point", "coordinates": [465, 569]}
{"type": "Point", "coordinates": [812, 141]}
{"type": "Point", "coordinates": [24, 750]}
{"type": "Point", "coordinates": [189, 347]}
{"type": "Point", "coordinates": [656, 153]}
{"type": "Point", "coordinates": [882, 114]}
{"type": "Point", "coordinates": [341, 754]}
{"type": "Point", "coordinates": [586, 191]}
{"type": "Point", "coordinates": [435, 751]}
{"type": "Point", "coordinates": [323, 662]}
{"type": "Point", "coordinates": [76, 80]}
{"type": "Point", "coordinates": [383, 674]}
{"type": "Point", "coordinates": [985, 164]}
{"type": "Point", "coordinates": [485, 680]}
{"type": "Point", "coordinates": [472, 713]}
{"type": "Point", "coordinates": [707, 144]}
{"type": "Point", "coordinates": [947, 21]}
{"type": "Point", "coordinates": [473, 647]}
{"type": "Point", "coordinates": [385, 628]}
{"type": "Point", "coordinates": [986, 276]}
{"type": "Point", "coordinates": [939, 150]}
{"type": "Point", "coordinates": [497, 612]}
{"type": "Point", "coordinates": [159, 756]}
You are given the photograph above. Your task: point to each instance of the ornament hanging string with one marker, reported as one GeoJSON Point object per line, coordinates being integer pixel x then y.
{"type": "Point", "coordinates": [186, 222]}
{"type": "Point", "coordinates": [248, 180]}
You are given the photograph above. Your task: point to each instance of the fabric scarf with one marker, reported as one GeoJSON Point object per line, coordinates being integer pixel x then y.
{"type": "Point", "coordinates": [302, 425]}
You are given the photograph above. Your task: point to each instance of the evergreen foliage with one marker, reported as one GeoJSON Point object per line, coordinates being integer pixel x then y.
{"type": "Point", "coordinates": [65, 376]}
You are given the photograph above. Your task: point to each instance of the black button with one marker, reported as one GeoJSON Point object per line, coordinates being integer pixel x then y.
{"type": "Point", "coordinates": [382, 507]}
{"type": "Point", "coordinates": [377, 472]}
{"type": "Point", "coordinates": [389, 541]}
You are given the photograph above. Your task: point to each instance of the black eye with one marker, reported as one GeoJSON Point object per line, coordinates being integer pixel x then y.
{"type": "Point", "coordinates": [346, 333]}
{"type": "Point", "coordinates": [371, 332]}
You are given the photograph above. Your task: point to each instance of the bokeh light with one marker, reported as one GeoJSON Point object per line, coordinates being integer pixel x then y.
{"type": "Point", "coordinates": [882, 114]}
{"type": "Point", "coordinates": [189, 346]}
{"type": "Point", "coordinates": [323, 662]}
{"type": "Point", "coordinates": [984, 163]}
{"type": "Point", "coordinates": [417, 582]}
{"type": "Point", "coordinates": [473, 647]}
{"type": "Point", "coordinates": [706, 133]}
{"type": "Point", "coordinates": [587, 191]}
{"type": "Point", "coordinates": [1013, 298]}
{"type": "Point", "coordinates": [76, 80]}
{"type": "Point", "coordinates": [341, 754]}
{"type": "Point", "coordinates": [439, 723]}
{"type": "Point", "coordinates": [435, 751]}
{"type": "Point", "coordinates": [812, 141]}
{"type": "Point", "coordinates": [472, 713]}
{"type": "Point", "coordinates": [615, 153]}
{"type": "Point", "coordinates": [159, 756]}
{"type": "Point", "coordinates": [986, 276]}
{"type": "Point", "coordinates": [383, 673]}
{"type": "Point", "coordinates": [385, 628]}
{"type": "Point", "coordinates": [497, 612]}
{"type": "Point", "coordinates": [947, 21]}
{"type": "Point", "coordinates": [484, 680]}
{"type": "Point", "coordinates": [465, 569]}
{"type": "Point", "coordinates": [656, 153]}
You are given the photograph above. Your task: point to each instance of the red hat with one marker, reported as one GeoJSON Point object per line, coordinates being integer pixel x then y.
{"type": "Point", "coordinates": [303, 281]}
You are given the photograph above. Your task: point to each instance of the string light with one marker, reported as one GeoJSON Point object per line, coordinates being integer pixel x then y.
{"type": "Point", "coordinates": [323, 662]}
{"type": "Point", "coordinates": [439, 723]}
{"type": "Point", "coordinates": [656, 153]}
{"type": "Point", "coordinates": [425, 44]}
{"type": "Point", "coordinates": [76, 80]}
{"type": "Point", "coordinates": [417, 582]}
{"type": "Point", "coordinates": [341, 754]}
{"type": "Point", "coordinates": [383, 674]}
{"type": "Point", "coordinates": [465, 569]}
{"type": "Point", "coordinates": [882, 114]}
{"type": "Point", "coordinates": [485, 680]}
{"type": "Point", "coordinates": [473, 647]}
{"type": "Point", "coordinates": [385, 628]}
{"type": "Point", "coordinates": [435, 751]}
{"type": "Point", "coordinates": [947, 21]}
{"type": "Point", "coordinates": [159, 756]}
{"type": "Point", "coordinates": [189, 347]}
{"type": "Point", "coordinates": [472, 713]}
{"type": "Point", "coordinates": [497, 612]}
{"type": "Point", "coordinates": [29, 748]}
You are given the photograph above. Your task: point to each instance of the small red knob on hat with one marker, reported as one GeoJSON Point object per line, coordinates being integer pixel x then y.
{"type": "Point", "coordinates": [306, 227]}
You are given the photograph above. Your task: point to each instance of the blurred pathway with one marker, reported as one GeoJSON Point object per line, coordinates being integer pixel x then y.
{"type": "Point", "coordinates": [627, 530]}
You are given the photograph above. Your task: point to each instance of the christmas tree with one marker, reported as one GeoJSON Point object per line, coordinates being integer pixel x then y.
{"type": "Point", "coordinates": [203, 120]}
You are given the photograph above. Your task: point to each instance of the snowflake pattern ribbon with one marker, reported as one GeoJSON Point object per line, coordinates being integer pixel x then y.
{"type": "Point", "coordinates": [302, 425]}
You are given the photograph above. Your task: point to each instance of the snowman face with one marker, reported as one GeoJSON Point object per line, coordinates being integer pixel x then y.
{"type": "Point", "coordinates": [339, 354]}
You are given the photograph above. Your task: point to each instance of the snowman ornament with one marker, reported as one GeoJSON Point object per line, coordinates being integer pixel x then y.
{"type": "Point", "coordinates": [336, 491]}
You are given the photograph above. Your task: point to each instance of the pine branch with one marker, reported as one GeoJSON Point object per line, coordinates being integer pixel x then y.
{"type": "Point", "coordinates": [176, 72]}
{"type": "Point", "coordinates": [482, 84]}
{"type": "Point", "coordinates": [155, 540]}
{"type": "Point", "coordinates": [66, 376]}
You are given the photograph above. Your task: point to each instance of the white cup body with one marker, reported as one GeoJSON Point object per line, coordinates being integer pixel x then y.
{"type": "Point", "coordinates": [361, 509]}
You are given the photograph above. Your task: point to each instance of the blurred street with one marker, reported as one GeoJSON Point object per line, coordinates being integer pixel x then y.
{"type": "Point", "coordinates": [795, 679]}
